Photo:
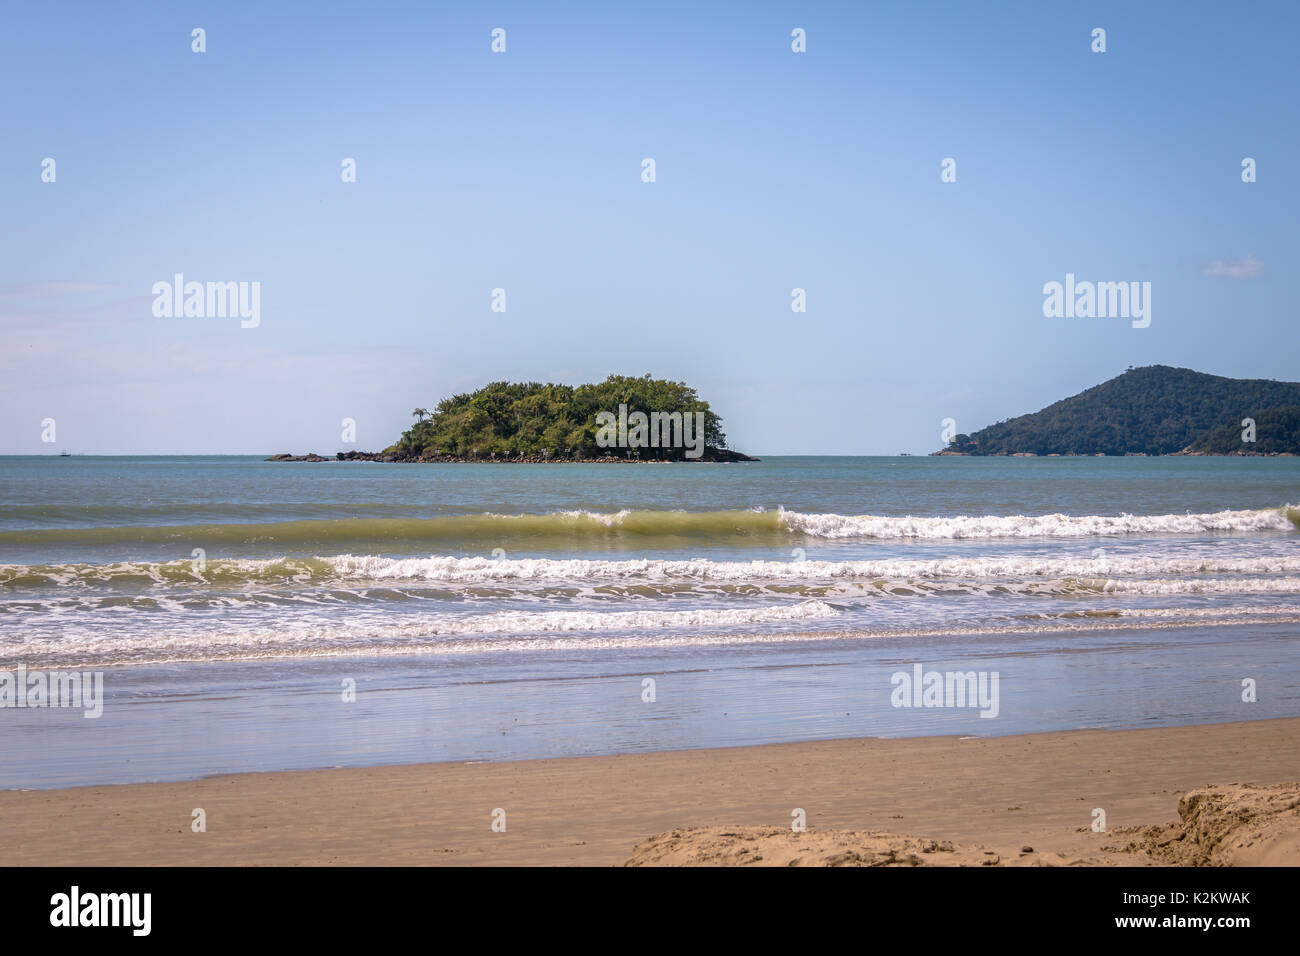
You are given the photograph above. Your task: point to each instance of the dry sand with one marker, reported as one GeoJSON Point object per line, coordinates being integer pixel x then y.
{"type": "Point", "coordinates": [1237, 825]}
{"type": "Point", "coordinates": [959, 801]}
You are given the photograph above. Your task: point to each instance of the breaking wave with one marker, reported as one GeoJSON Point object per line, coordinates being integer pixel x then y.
{"type": "Point", "coordinates": [375, 569]}
{"type": "Point", "coordinates": [663, 527]}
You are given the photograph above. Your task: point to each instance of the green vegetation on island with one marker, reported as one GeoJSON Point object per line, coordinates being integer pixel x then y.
{"type": "Point", "coordinates": [1155, 410]}
{"type": "Point", "coordinates": [1277, 432]}
{"type": "Point", "coordinates": [512, 421]}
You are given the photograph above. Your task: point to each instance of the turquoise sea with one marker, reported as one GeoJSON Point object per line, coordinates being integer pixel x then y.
{"type": "Point", "coordinates": [504, 611]}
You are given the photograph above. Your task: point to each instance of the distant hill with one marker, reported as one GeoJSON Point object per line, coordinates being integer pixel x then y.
{"type": "Point", "coordinates": [1156, 410]}
{"type": "Point", "coordinates": [1277, 431]}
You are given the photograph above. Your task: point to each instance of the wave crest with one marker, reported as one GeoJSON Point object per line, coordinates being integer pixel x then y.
{"type": "Point", "coordinates": [660, 528]}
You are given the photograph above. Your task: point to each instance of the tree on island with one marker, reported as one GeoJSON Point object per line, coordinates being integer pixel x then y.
{"type": "Point", "coordinates": [531, 420]}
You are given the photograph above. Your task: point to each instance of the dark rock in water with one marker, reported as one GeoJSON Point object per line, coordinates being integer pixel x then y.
{"type": "Point", "coordinates": [310, 456]}
{"type": "Point", "coordinates": [725, 454]}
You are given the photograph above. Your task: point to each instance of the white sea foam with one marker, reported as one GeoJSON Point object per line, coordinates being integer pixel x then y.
{"type": "Point", "coordinates": [1203, 586]}
{"type": "Point", "coordinates": [475, 570]}
{"type": "Point", "coordinates": [1029, 526]}
{"type": "Point", "coordinates": [381, 638]}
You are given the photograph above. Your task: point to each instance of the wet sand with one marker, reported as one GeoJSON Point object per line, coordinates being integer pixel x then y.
{"type": "Point", "coordinates": [998, 794]}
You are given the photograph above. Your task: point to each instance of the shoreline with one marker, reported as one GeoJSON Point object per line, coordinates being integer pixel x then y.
{"type": "Point", "coordinates": [595, 810]}
{"type": "Point", "coordinates": [412, 708]}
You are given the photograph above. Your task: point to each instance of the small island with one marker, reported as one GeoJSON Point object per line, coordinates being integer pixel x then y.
{"type": "Point", "coordinates": [1155, 410]}
{"type": "Point", "coordinates": [622, 419]}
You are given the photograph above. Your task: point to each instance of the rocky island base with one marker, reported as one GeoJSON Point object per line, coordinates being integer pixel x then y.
{"type": "Point", "coordinates": [713, 455]}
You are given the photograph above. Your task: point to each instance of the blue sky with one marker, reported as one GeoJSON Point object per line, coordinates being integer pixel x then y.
{"type": "Point", "coordinates": [522, 171]}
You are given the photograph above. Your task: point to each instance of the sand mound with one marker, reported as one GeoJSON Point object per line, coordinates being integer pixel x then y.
{"type": "Point", "coordinates": [779, 846]}
{"type": "Point", "coordinates": [1230, 825]}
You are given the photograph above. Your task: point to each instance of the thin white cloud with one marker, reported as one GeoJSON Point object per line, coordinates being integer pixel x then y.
{"type": "Point", "coordinates": [1247, 267]}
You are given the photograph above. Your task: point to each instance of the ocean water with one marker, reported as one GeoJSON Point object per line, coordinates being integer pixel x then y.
{"type": "Point", "coordinates": [504, 611]}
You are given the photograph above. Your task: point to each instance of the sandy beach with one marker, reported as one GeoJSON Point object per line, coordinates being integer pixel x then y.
{"type": "Point", "coordinates": [989, 797]}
